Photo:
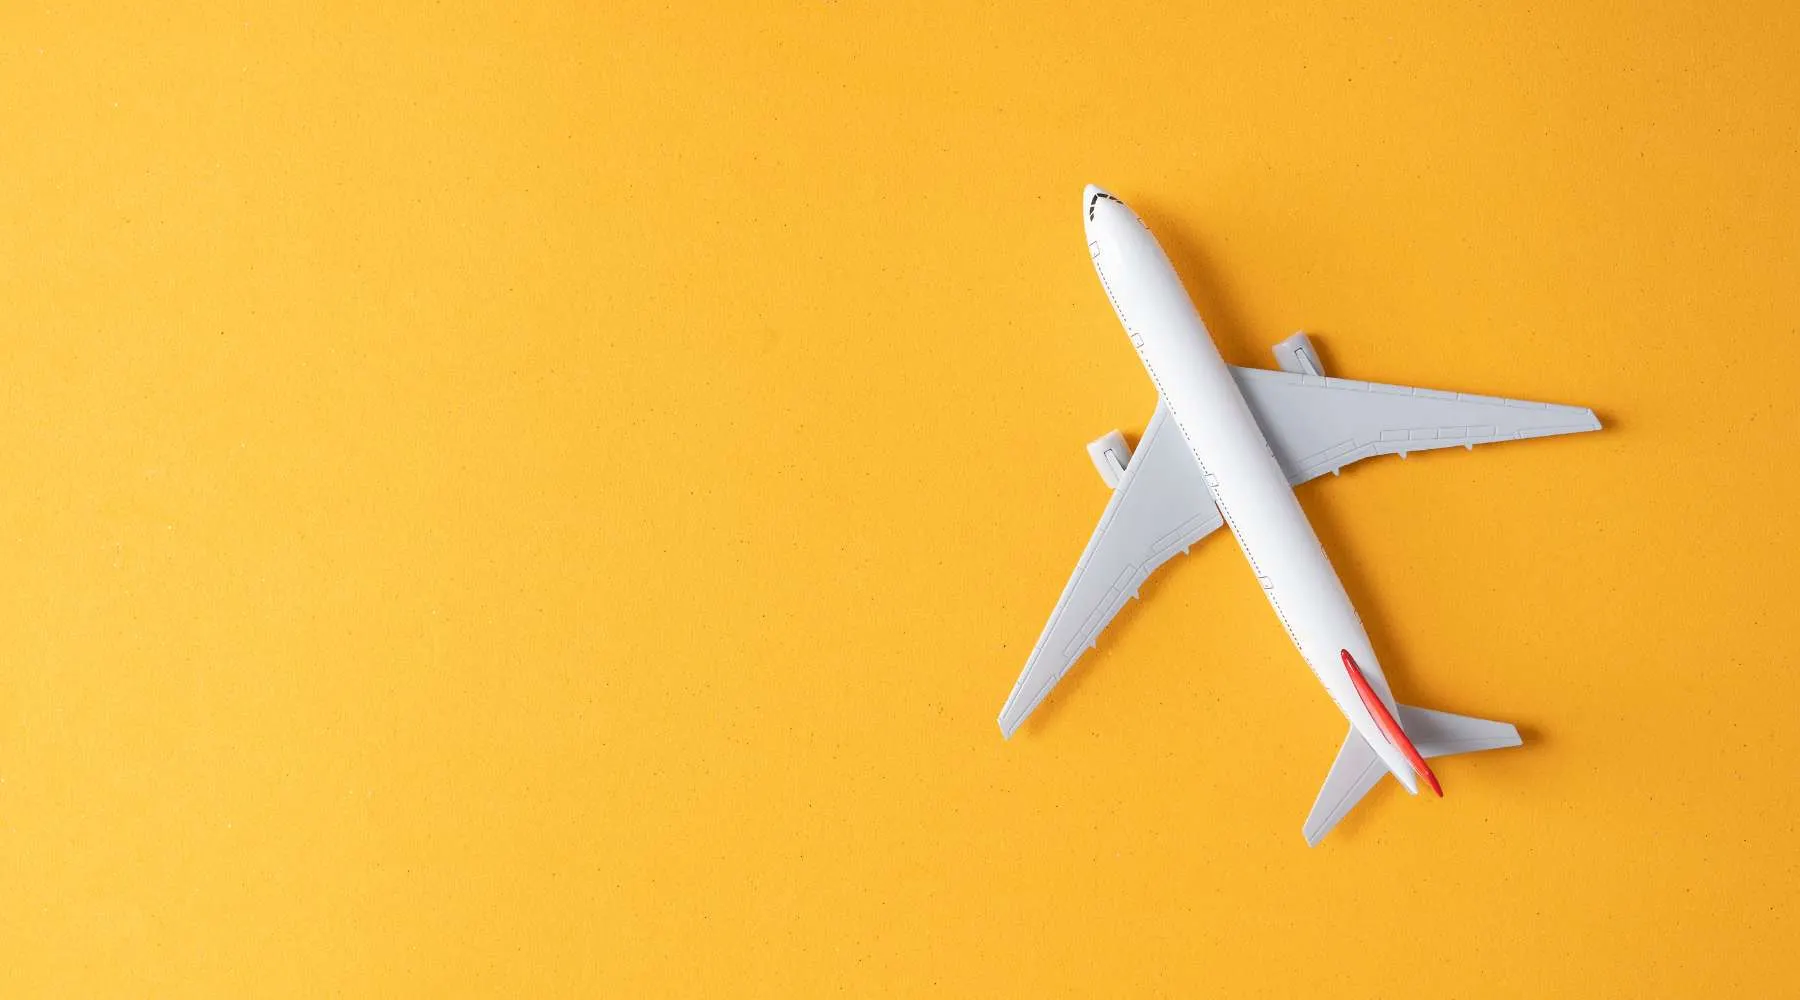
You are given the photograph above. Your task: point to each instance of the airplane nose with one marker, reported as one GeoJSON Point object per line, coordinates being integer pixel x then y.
{"type": "Point", "coordinates": [1090, 195]}
{"type": "Point", "coordinates": [1093, 195]}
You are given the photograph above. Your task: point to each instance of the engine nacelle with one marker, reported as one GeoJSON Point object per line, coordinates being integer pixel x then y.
{"type": "Point", "coordinates": [1110, 455]}
{"type": "Point", "coordinates": [1296, 354]}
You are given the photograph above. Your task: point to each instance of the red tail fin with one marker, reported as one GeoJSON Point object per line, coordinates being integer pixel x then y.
{"type": "Point", "coordinates": [1389, 727]}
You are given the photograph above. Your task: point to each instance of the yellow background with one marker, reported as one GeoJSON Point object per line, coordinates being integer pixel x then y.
{"type": "Point", "coordinates": [550, 501]}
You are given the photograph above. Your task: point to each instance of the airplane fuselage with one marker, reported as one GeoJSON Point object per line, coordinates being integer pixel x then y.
{"type": "Point", "coordinates": [1241, 472]}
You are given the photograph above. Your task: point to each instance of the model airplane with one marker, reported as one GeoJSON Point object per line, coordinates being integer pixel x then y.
{"type": "Point", "coordinates": [1227, 445]}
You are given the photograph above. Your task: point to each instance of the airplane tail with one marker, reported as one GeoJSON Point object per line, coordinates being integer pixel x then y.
{"type": "Point", "coordinates": [1357, 768]}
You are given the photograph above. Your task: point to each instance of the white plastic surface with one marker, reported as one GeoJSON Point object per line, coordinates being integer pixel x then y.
{"type": "Point", "coordinates": [1227, 445]}
{"type": "Point", "coordinates": [1247, 484]}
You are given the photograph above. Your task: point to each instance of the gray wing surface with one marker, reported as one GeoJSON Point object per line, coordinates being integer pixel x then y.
{"type": "Point", "coordinates": [1353, 773]}
{"type": "Point", "coordinates": [1160, 507]}
{"type": "Point", "coordinates": [1317, 424]}
{"type": "Point", "coordinates": [1357, 769]}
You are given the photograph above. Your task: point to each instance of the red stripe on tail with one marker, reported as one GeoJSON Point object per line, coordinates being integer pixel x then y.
{"type": "Point", "coordinates": [1389, 727]}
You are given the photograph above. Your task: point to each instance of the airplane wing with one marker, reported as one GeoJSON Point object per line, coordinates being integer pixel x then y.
{"type": "Point", "coordinates": [1159, 507]}
{"type": "Point", "coordinates": [1317, 425]}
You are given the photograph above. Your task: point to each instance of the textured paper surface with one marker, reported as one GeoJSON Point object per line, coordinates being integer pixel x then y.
{"type": "Point", "coordinates": [549, 502]}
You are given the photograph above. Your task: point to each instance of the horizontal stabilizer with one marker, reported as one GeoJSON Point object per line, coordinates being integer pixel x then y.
{"type": "Point", "coordinates": [1440, 734]}
{"type": "Point", "coordinates": [1357, 768]}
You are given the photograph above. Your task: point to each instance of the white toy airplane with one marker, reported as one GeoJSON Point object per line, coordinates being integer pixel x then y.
{"type": "Point", "coordinates": [1227, 445]}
